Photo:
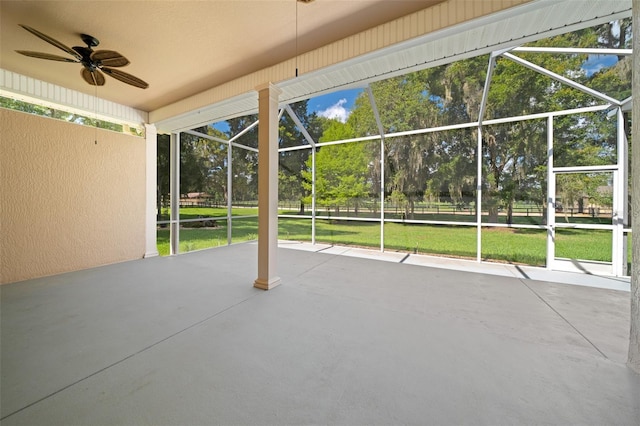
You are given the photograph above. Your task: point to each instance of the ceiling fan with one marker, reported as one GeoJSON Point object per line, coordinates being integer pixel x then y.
{"type": "Point", "coordinates": [93, 61]}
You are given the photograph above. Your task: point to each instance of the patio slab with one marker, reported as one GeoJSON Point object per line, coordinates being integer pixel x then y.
{"type": "Point", "coordinates": [344, 340]}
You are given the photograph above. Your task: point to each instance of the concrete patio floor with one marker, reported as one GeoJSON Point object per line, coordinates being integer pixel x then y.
{"type": "Point", "coordinates": [187, 340]}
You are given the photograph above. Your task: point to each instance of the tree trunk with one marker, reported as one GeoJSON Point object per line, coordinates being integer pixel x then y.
{"type": "Point", "coordinates": [301, 211]}
{"type": "Point", "coordinates": [634, 332]}
{"type": "Point", "coordinates": [158, 205]}
{"type": "Point", "coordinates": [493, 214]}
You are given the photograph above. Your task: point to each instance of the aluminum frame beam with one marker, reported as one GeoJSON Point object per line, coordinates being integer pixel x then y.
{"type": "Point", "coordinates": [562, 79]}
{"type": "Point", "coordinates": [376, 115]}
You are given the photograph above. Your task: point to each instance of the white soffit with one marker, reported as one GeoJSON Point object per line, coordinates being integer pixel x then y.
{"type": "Point", "coordinates": [512, 27]}
{"type": "Point", "coordinates": [27, 89]}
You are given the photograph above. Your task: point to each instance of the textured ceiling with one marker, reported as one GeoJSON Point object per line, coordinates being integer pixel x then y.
{"type": "Point", "coordinates": [182, 47]}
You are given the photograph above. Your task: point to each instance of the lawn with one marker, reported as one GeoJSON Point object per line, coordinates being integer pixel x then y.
{"type": "Point", "coordinates": [523, 246]}
{"type": "Point", "coordinates": [191, 239]}
{"type": "Point", "coordinates": [198, 212]}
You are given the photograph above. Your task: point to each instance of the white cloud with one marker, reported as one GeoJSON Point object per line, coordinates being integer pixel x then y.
{"type": "Point", "coordinates": [336, 111]}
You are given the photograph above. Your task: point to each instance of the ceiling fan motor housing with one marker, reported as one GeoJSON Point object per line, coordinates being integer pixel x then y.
{"type": "Point", "coordinates": [90, 41]}
{"type": "Point", "coordinates": [86, 52]}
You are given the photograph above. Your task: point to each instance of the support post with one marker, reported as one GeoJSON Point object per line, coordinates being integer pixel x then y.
{"type": "Point", "coordinates": [150, 234]}
{"type": "Point", "coordinates": [376, 115]}
{"type": "Point", "coordinates": [479, 194]}
{"type": "Point", "coordinates": [229, 193]}
{"type": "Point", "coordinates": [313, 195]}
{"type": "Point", "coordinates": [551, 198]}
{"type": "Point", "coordinates": [267, 187]}
{"type": "Point", "coordinates": [382, 154]}
{"type": "Point", "coordinates": [618, 253]}
{"type": "Point", "coordinates": [634, 332]}
{"type": "Point", "coordinates": [483, 107]}
{"type": "Point", "coordinates": [174, 195]}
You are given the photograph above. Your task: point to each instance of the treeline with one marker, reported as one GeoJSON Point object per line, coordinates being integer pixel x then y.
{"type": "Point", "coordinates": [436, 165]}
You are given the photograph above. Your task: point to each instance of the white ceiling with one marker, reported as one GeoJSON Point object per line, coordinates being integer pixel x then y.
{"type": "Point", "coordinates": [182, 47]}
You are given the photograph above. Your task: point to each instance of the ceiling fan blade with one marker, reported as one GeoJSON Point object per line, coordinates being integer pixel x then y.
{"type": "Point", "coordinates": [126, 78]}
{"type": "Point", "coordinates": [94, 78]}
{"type": "Point", "coordinates": [52, 41]}
{"type": "Point", "coordinates": [49, 56]}
{"type": "Point", "coordinates": [109, 58]}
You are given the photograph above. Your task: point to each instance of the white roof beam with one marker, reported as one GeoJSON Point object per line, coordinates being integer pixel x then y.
{"type": "Point", "coordinates": [298, 123]}
{"type": "Point", "coordinates": [374, 108]}
{"type": "Point", "coordinates": [485, 90]}
{"type": "Point", "coordinates": [562, 79]}
{"type": "Point", "coordinates": [216, 139]}
{"type": "Point", "coordinates": [248, 128]}
{"type": "Point", "coordinates": [575, 50]}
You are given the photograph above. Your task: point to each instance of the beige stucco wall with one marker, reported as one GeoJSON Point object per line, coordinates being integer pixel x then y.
{"type": "Point", "coordinates": [67, 203]}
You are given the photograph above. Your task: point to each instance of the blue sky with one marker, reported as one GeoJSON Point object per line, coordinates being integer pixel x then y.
{"type": "Point", "coordinates": [334, 105]}
{"type": "Point", "coordinates": [597, 62]}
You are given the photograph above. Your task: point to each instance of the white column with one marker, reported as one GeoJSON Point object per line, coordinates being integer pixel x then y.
{"type": "Point", "coordinates": [151, 247]}
{"type": "Point", "coordinates": [382, 154]}
{"type": "Point", "coordinates": [479, 193]}
{"type": "Point", "coordinates": [551, 198]}
{"type": "Point", "coordinates": [174, 195]}
{"type": "Point", "coordinates": [618, 253]}
{"type": "Point", "coordinates": [267, 187]}
{"type": "Point", "coordinates": [483, 106]}
{"type": "Point", "coordinates": [376, 115]}
{"type": "Point", "coordinates": [625, 219]}
{"type": "Point", "coordinates": [313, 195]}
{"type": "Point", "coordinates": [229, 192]}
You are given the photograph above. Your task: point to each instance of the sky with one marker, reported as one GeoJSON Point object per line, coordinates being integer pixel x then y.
{"type": "Point", "coordinates": [336, 105]}
{"type": "Point", "coordinates": [597, 62]}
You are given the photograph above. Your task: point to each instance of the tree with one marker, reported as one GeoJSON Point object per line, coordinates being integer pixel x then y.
{"type": "Point", "coordinates": [163, 174]}
{"type": "Point", "coordinates": [405, 104]}
{"type": "Point", "coordinates": [202, 167]}
{"type": "Point", "coordinates": [453, 173]}
{"type": "Point", "coordinates": [616, 35]}
{"type": "Point", "coordinates": [292, 181]}
{"type": "Point", "coordinates": [342, 171]}
{"type": "Point", "coordinates": [244, 166]}
{"type": "Point", "coordinates": [70, 117]}
{"type": "Point", "coordinates": [515, 154]}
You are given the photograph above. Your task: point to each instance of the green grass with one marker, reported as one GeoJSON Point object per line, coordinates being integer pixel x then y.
{"type": "Point", "coordinates": [200, 238]}
{"type": "Point", "coordinates": [525, 246]}
{"type": "Point", "coordinates": [522, 246]}
{"type": "Point", "coordinates": [582, 244]}
{"type": "Point", "coordinates": [196, 212]}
